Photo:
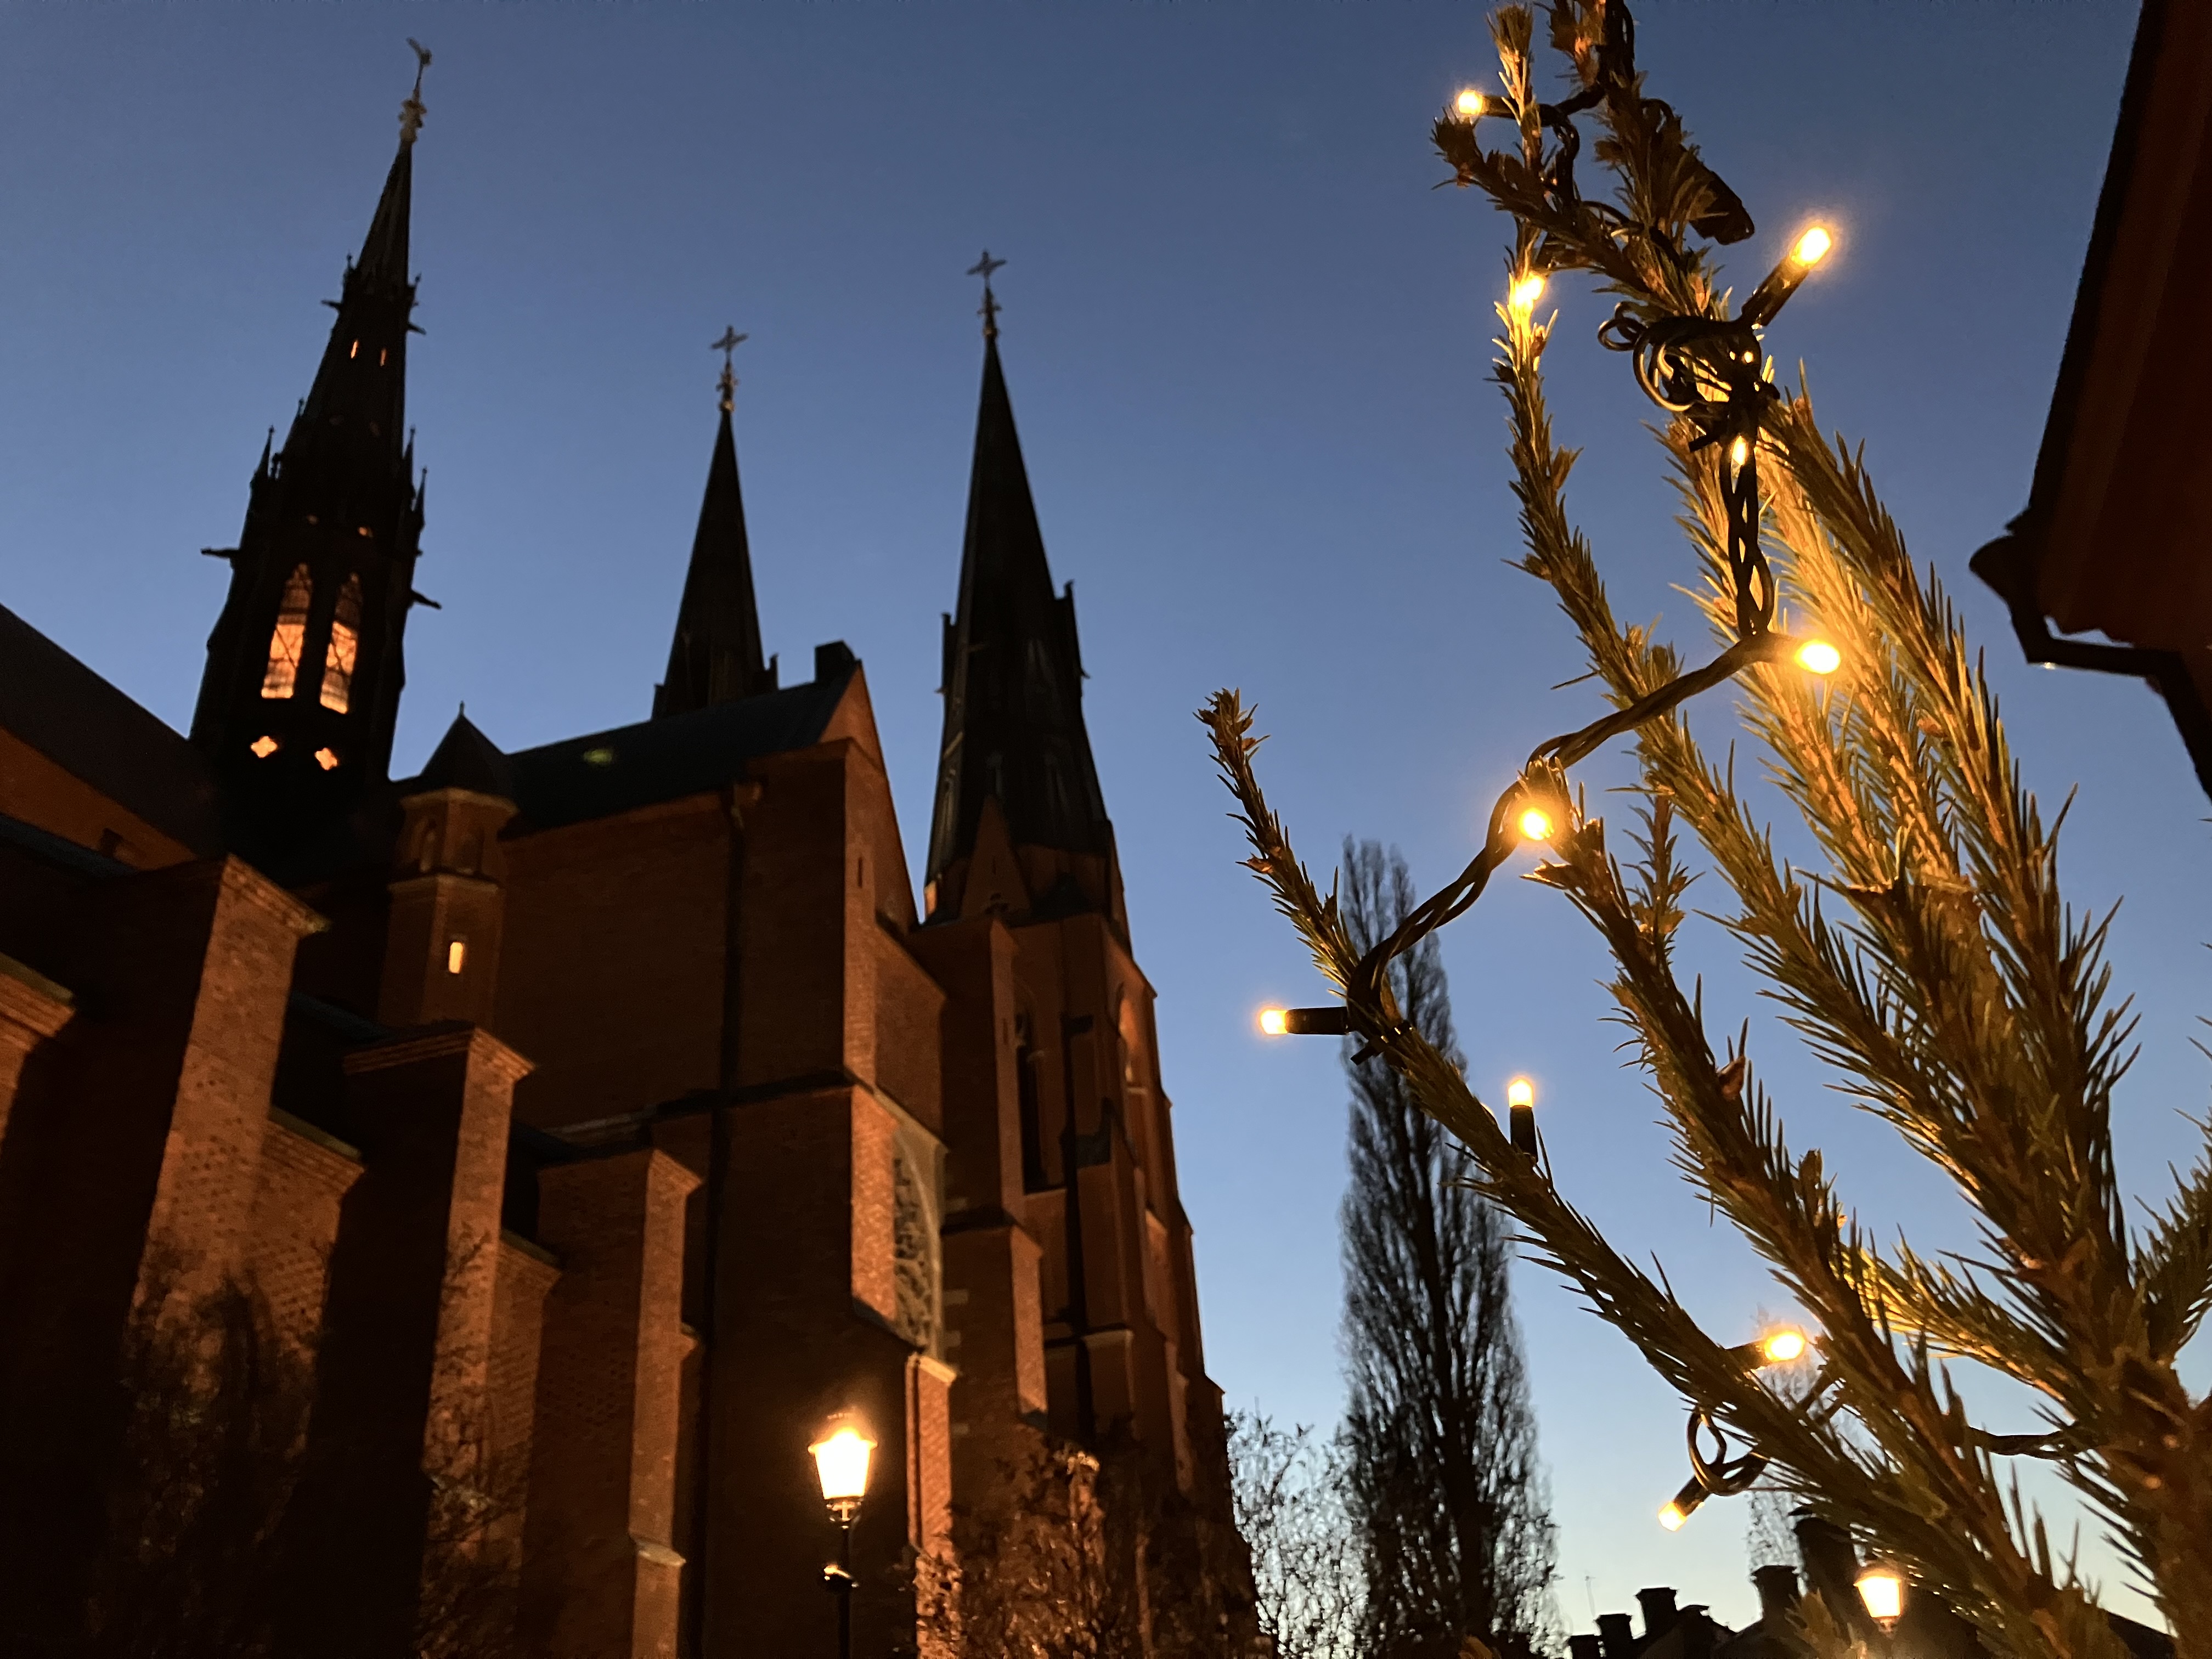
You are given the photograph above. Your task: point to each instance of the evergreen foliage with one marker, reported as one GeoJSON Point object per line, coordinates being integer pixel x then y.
{"type": "Point", "coordinates": [1932, 964]}
{"type": "Point", "coordinates": [1445, 1494]}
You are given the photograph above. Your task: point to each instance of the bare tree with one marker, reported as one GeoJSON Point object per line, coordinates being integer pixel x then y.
{"type": "Point", "coordinates": [1446, 1494]}
{"type": "Point", "coordinates": [1289, 1491]}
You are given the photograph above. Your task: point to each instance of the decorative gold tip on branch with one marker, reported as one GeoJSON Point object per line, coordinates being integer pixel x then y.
{"type": "Point", "coordinates": [1818, 657]}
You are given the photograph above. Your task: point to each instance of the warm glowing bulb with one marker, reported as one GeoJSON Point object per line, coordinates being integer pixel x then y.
{"type": "Point", "coordinates": [1782, 1347]}
{"type": "Point", "coordinates": [1819, 657]}
{"type": "Point", "coordinates": [1470, 104]}
{"type": "Point", "coordinates": [1882, 1589]}
{"type": "Point", "coordinates": [1524, 293]}
{"type": "Point", "coordinates": [1536, 824]}
{"type": "Point", "coordinates": [842, 1461]}
{"type": "Point", "coordinates": [1673, 1516]}
{"type": "Point", "coordinates": [1813, 247]}
{"type": "Point", "coordinates": [1739, 452]}
{"type": "Point", "coordinates": [1520, 1092]}
{"type": "Point", "coordinates": [1275, 1022]}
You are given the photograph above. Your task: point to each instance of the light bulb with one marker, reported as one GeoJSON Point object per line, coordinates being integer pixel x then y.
{"type": "Point", "coordinates": [1524, 293]}
{"type": "Point", "coordinates": [1819, 657]}
{"type": "Point", "coordinates": [1813, 247]}
{"type": "Point", "coordinates": [841, 1460]}
{"type": "Point", "coordinates": [1672, 1517]}
{"type": "Point", "coordinates": [1739, 452]}
{"type": "Point", "coordinates": [1275, 1022]}
{"type": "Point", "coordinates": [1520, 1092]}
{"type": "Point", "coordinates": [1780, 1347]}
{"type": "Point", "coordinates": [1883, 1589]}
{"type": "Point", "coordinates": [1536, 824]}
{"type": "Point", "coordinates": [1469, 104]}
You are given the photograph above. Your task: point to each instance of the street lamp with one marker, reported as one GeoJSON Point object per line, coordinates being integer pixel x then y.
{"type": "Point", "coordinates": [841, 1459]}
{"type": "Point", "coordinates": [1881, 1587]}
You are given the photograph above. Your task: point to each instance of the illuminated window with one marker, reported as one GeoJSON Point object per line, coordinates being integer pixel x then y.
{"type": "Point", "coordinates": [345, 646]}
{"type": "Point", "coordinates": [327, 759]}
{"type": "Point", "coordinates": [381, 356]}
{"type": "Point", "coordinates": [457, 953]}
{"type": "Point", "coordinates": [283, 670]}
{"type": "Point", "coordinates": [262, 746]}
{"type": "Point", "coordinates": [355, 352]}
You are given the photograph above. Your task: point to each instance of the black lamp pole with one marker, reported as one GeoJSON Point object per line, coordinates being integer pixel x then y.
{"type": "Point", "coordinates": [837, 1577]}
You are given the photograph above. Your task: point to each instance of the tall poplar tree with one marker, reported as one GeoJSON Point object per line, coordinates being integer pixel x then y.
{"type": "Point", "coordinates": [1446, 1494]}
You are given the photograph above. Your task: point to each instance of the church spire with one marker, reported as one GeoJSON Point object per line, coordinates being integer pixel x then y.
{"type": "Point", "coordinates": [1013, 680]}
{"type": "Point", "coordinates": [715, 656]}
{"type": "Point", "coordinates": [304, 670]}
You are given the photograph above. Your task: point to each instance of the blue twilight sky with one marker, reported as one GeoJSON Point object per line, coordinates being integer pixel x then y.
{"type": "Point", "coordinates": [1247, 343]}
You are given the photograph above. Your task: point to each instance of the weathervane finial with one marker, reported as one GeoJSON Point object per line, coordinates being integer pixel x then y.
{"type": "Point", "coordinates": [983, 268]}
{"type": "Point", "coordinates": [726, 345]}
{"type": "Point", "coordinates": [412, 111]}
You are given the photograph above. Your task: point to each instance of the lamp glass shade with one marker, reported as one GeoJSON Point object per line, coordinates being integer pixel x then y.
{"type": "Point", "coordinates": [1882, 1589]}
{"type": "Point", "coordinates": [842, 1461]}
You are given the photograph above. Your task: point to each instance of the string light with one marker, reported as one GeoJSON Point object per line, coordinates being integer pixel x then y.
{"type": "Point", "coordinates": [1525, 292]}
{"type": "Point", "coordinates": [1521, 1114]}
{"type": "Point", "coordinates": [1881, 1588]}
{"type": "Point", "coordinates": [1469, 104]}
{"type": "Point", "coordinates": [1739, 451]}
{"type": "Point", "coordinates": [1275, 1022]}
{"type": "Point", "coordinates": [1780, 1347]}
{"type": "Point", "coordinates": [1302, 1022]}
{"type": "Point", "coordinates": [1682, 1506]}
{"type": "Point", "coordinates": [1813, 247]}
{"type": "Point", "coordinates": [1819, 657]}
{"type": "Point", "coordinates": [1536, 824]}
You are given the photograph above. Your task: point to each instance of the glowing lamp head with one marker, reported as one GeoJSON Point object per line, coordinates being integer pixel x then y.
{"type": "Point", "coordinates": [1739, 452]}
{"type": "Point", "coordinates": [1819, 657]}
{"type": "Point", "coordinates": [1782, 1348]}
{"type": "Point", "coordinates": [1536, 824]}
{"type": "Point", "coordinates": [1881, 1588]}
{"type": "Point", "coordinates": [1520, 1092]}
{"type": "Point", "coordinates": [1469, 104]}
{"type": "Point", "coordinates": [1671, 1516]}
{"type": "Point", "coordinates": [1275, 1022]}
{"type": "Point", "coordinates": [1813, 247]}
{"type": "Point", "coordinates": [1525, 292]}
{"type": "Point", "coordinates": [841, 1460]}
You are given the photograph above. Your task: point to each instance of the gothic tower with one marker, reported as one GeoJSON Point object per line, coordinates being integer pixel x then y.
{"type": "Point", "coordinates": [715, 656]}
{"type": "Point", "coordinates": [304, 669]}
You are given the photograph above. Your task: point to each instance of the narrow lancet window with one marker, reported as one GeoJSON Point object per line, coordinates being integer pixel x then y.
{"type": "Point", "coordinates": [345, 646]}
{"type": "Point", "coordinates": [285, 645]}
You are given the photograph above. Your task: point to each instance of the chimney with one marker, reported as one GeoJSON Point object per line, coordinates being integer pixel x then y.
{"type": "Point", "coordinates": [1831, 1568]}
{"type": "Point", "coordinates": [1659, 1613]}
{"type": "Point", "coordinates": [1585, 1647]}
{"type": "Point", "coordinates": [1614, 1635]}
{"type": "Point", "coordinates": [1778, 1595]}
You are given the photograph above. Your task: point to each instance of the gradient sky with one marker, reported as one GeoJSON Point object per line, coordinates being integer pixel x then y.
{"type": "Point", "coordinates": [1247, 343]}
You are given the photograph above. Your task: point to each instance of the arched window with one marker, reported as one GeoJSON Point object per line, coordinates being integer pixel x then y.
{"type": "Point", "coordinates": [285, 645]}
{"type": "Point", "coordinates": [345, 646]}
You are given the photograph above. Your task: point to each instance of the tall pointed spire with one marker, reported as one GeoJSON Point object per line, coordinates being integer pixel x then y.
{"type": "Point", "coordinates": [305, 668]}
{"type": "Point", "coordinates": [715, 656]}
{"type": "Point", "coordinates": [1014, 674]}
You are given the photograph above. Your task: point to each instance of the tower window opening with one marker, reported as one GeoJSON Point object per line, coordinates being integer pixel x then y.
{"type": "Point", "coordinates": [262, 746]}
{"type": "Point", "coordinates": [355, 352]}
{"type": "Point", "coordinates": [327, 759]}
{"type": "Point", "coordinates": [344, 648]}
{"type": "Point", "coordinates": [283, 672]}
{"type": "Point", "coordinates": [382, 357]}
{"type": "Point", "coordinates": [457, 954]}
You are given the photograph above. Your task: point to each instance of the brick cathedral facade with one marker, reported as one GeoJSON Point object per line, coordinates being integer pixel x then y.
{"type": "Point", "coordinates": [588, 1124]}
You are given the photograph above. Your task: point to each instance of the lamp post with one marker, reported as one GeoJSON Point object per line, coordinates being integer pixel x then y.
{"type": "Point", "coordinates": [841, 1459]}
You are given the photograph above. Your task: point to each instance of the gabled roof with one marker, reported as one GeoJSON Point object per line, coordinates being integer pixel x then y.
{"type": "Point", "coordinates": [91, 730]}
{"type": "Point", "coordinates": [608, 772]}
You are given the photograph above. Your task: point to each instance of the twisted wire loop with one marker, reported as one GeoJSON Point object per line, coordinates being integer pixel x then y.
{"type": "Point", "coordinates": [1722, 1475]}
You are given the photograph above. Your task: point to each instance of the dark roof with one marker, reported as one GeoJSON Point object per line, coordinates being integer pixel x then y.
{"type": "Point", "coordinates": [715, 656]}
{"type": "Point", "coordinates": [1014, 672]}
{"type": "Point", "coordinates": [606, 773]}
{"type": "Point", "coordinates": [467, 759]}
{"type": "Point", "coordinates": [69, 713]}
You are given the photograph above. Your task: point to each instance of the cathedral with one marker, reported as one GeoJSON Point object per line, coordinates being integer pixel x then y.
{"type": "Point", "coordinates": [456, 1203]}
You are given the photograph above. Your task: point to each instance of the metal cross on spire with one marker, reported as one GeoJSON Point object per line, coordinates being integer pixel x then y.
{"type": "Point", "coordinates": [412, 111]}
{"type": "Point", "coordinates": [726, 345]}
{"type": "Point", "coordinates": [983, 268]}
